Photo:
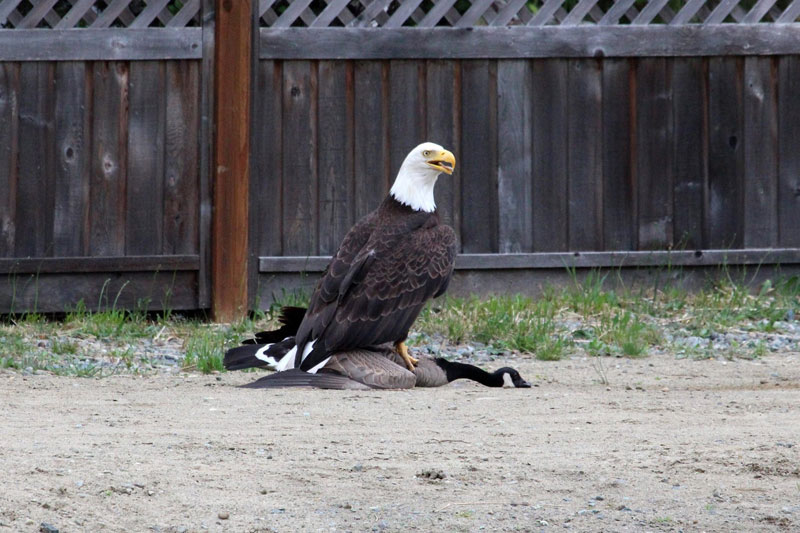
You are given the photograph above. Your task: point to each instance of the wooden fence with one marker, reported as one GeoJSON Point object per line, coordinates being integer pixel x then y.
{"type": "Point", "coordinates": [588, 133]}
{"type": "Point", "coordinates": [104, 155]}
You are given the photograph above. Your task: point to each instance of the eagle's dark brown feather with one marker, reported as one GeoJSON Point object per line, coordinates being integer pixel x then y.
{"type": "Point", "coordinates": [389, 264]}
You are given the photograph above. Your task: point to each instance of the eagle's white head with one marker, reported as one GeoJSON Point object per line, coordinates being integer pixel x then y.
{"type": "Point", "coordinates": [417, 176]}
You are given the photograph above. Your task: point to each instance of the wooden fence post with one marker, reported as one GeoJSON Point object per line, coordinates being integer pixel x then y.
{"type": "Point", "coordinates": [231, 168]}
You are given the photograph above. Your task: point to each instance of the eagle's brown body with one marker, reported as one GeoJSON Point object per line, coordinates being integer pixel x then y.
{"type": "Point", "coordinates": [388, 265]}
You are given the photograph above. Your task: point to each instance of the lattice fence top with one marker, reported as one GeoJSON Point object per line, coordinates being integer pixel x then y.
{"type": "Point", "coordinates": [465, 13]}
{"type": "Point", "coordinates": [69, 14]}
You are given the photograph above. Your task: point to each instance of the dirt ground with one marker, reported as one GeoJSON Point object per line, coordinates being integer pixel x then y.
{"type": "Point", "coordinates": [667, 445]}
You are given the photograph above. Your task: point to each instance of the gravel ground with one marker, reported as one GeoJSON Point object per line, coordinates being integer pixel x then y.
{"type": "Point", "coordinates": [662, 443]}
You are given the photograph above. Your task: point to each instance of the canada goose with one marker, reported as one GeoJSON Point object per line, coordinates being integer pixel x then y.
{"type": "Point", "coordinates": [370, 368]}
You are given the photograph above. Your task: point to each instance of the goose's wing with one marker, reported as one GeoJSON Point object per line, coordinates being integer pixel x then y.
{"type": "Point", "coordinates": [290, 318]}
{"type": "Point", "coordinates": [298, 378]}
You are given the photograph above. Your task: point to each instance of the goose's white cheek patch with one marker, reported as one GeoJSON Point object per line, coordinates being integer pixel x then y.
{"type": "Point", "coordinates": [507, 381]}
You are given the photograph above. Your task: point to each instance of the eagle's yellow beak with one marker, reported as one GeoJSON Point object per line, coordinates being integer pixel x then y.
{"type": "Point", "coordinates": [443, 161]}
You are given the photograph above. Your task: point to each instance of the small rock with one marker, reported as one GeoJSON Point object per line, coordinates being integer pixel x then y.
{"type": "Point", "coordinates": [432, 474]}
{"type": "Point", "coordinates": [44, 527]}
{"type": "Point", "coordinates": [263, 491]}
{"type": "Point", "coordinates": [358, 468]}
{"type": "Point", "coordinates": [223, 515]}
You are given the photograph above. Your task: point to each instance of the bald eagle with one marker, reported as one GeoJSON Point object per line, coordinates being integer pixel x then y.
{"type": "Point", "coordinates": [389, 264]}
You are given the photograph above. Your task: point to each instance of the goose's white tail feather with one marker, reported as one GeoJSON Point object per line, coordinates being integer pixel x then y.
{"type": "Point", "coordinates": [288, 360]}
{"type": "Point", "coordinates": [261, 355]}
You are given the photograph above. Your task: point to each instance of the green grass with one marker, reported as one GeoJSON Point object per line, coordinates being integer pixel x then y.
{"type": "Point", "coordinates": [616, 321]}
{"type": "Point", "coordinates": [622, 332]}
{"type": "Point", "coordinates": [62, 346]}
{"type": "Point", "coordinates": [205, 344]}
{"type": "Point", "coordinates": [503, 323]}
{"type": "Point", "coordinates": [118, 324]}
{"type": "Point", "coordinates": [204, 351]}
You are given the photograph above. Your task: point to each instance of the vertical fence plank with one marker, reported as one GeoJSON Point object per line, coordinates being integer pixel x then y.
{"type": "Point", "coordinates": [299, 158]}
{"type": "Point", "coordinates": [550, 150]}
{"type": "Point", "coordinates": [789, 151]}
{"type": "Point", "coordinates": [335, 153]}
{"type": "Point", "coordinates": [406, 110]}
{"type": "Point", "coordinates": [231, 167]}
{"type": "Point", "coordinates": [654, 153]}
{"type": "Point", "coordinates": [619, 188]}
{"type": "Point", "coordinates": [181, 171]}
{"type": "Point", "coordinates": [478, 156]}
{"type": "Point", "coordinates": [760, 153]}
{"type": "Point", "coordinates": [585, 159]}
{"type": "Point", "coordinates": [145, 187]}
{"type": "Point", "coordinates": [267, 185]}
{"type": "Point", "coordinates": [72, 152]}
{"type": "Point", "coordinates": [34, 228]}
{"type": "Point", "coordinates": [514, 195]}
{"type": "Point", "coordinates": [442, 119]}
{"type": "Point", "coordinates": [72, 155]}
{"type": "Point", "coordinates": [206, 156]}
{"type": "Point", "coordinates": [371, 158]}
{"type": "Point", "coordinates": [109, 132]}
{"type": "Point", "coordinates": [725, 152]}
{"type": "Point", "coordinates": [9, 117]}
{"type": "Point", "coordinates": [689, 152]}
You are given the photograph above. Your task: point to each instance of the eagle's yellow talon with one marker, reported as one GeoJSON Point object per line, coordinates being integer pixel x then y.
{"type": "Point", "coordinates": [402, 350]}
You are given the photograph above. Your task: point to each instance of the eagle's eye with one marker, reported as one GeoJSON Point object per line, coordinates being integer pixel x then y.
{"type": "Point", "coordinates": [426, 153]}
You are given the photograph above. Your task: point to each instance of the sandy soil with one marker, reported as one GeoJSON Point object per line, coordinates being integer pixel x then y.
{"type": "Point", "coordinates": [668, 445]}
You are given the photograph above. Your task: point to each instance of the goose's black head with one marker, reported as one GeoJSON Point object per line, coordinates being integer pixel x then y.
{"type": "Point", "coordinates": [511, 378]}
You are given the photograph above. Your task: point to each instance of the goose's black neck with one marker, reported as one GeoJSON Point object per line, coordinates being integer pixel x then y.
{"type": "Point", "coordinates": [456, 371]}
